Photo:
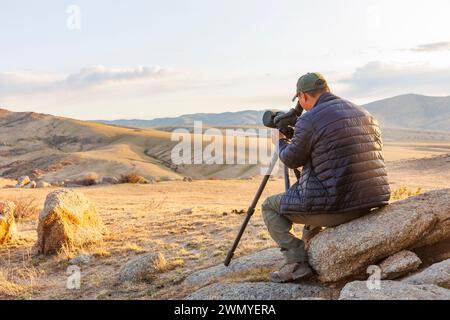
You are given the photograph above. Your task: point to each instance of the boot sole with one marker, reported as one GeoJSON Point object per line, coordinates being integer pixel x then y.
{"type": "Point", "coordinates": [295, 277]}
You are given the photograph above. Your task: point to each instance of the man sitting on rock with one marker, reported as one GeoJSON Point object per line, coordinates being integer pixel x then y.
{"type": "Point", "coordinates": [339, 146]}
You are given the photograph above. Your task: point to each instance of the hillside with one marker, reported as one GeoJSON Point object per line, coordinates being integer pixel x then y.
{"type": "Point", "coordinates": [56, 149]}
{"type": "Point", "coordinates": [413, 112]}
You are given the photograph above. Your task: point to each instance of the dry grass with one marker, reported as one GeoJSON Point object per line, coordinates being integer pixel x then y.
{"type": "Point", "coordinates": [404, 192]}
{"type": "Point", "coordinates": [17, 280]}
{"type": "Point", "coordinates": [133, 178]}
{"type": "Point", "coordinates": [161, 264]}
{"type": "Point", "coordinates": [26, 208]}
{"type": "Point", "coordinates": [90, 179]}
{"type": "Point", "coordinates": [147, 219]}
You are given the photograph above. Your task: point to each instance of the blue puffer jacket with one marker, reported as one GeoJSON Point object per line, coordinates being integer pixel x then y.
{"type": "Point", "coordinates": [339, 146]}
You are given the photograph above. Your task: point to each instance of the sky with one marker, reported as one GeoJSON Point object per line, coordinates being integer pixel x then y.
{"type": "Point", "coordinates": [96, 59]}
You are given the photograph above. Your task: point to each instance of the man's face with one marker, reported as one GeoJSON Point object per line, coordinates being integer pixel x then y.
{"type": "Point", "coordinates": [304, 101]}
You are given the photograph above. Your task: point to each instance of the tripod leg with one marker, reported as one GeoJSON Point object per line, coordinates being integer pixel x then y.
{"type": "Point", "coordinates": [251, 210]}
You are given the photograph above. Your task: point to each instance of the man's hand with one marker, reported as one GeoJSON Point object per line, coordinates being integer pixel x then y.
{"type": "Point", "coordinates": [277, 136]}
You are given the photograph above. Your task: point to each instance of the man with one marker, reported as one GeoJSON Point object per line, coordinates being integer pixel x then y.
{"type": "Point", "coordinates": [339, 146]}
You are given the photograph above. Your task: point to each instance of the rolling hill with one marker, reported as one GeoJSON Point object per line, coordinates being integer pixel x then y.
{"type": "Point", "coordinates": [57, 149]}
{"type": "Point", "coordinates": [411, 111]}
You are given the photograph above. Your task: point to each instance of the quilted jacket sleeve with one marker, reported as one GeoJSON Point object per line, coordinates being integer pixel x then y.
{"type": "Point", "coordinates": [296, 153]}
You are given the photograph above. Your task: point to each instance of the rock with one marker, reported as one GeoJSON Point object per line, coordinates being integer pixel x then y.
{"type": "Point", "coordinates": [140, 269]}
{"type": "Point", "coordinates": [68, 219]}
{"type": "Point", "coordinates": [438, 274]}
{"type": "Point", "coordinates": [110, 180]}
{"type": "Point", "coordinates": [393, 290]}
{"type": "Point", "coordinates": [399, 265]}
{"type": "Point", "coordinates": [437, 202]}
{"type": "Point", "coordinates": [269, 258]}
{"type": "Point", "coordinates": [261, 291]}
{"type": "Point", "coordinates": [187, 179]}
{"type": "Point", "coordinates": [186, 211]}
{"type": "Point", "coordinates": [167, 179]}
{"type": "Point", "coordinates": [7, 221]}
{"type": "Point", "coordinates": [349, 249]}
{"type": "Point", "coordinates": [236, 211]}
{"type": "Point", "coordinates": [23, 181]}
{"type": "Point", "coordinates": [82, 258]}
{"type": "Point", "coordinates": [43, 184]}
{"type": "Point", "coordinates": [31, 185]}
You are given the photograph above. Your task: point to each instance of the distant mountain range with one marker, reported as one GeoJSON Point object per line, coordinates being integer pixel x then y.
{"type": "Point", "coordinates": [242, 118]}
{"type": "Point", "coordinates": [409, 111]}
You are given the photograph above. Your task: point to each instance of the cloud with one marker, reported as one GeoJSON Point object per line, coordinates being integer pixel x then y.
{"type": "Point", "coordinates": [383, 79]}
{"type": "Point", "coordinates": [432, 47]}
{"type": "Point", "coordinates": [100, 75]}
{"type": "Point", "coordinates": [22, 82]}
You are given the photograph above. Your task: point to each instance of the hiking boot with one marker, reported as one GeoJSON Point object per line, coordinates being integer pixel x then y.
{"type": "Point", "coordinates": [309, 233]}
{"type": "Point", "coordinates": [291, 272]}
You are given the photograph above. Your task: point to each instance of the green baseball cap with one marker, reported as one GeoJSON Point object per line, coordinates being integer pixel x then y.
{"type": "Point", "coordinates": [310, 82]}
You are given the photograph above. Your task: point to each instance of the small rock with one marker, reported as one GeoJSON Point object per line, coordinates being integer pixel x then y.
{"type": "Point", "coordinates": [393, 290]}
{"type": "Point", "coordinates": [43, 184]}
{"type": "Point", "coordinates": [166, 179]}
{"type": "Point", "coordinates": [82, 258]}
{"type": "Point", "coordinates": [235, 211]}
{"type": "Point", "coordinates": [187, 179]}
{"type": "Point", "coordinates": [23, 181]}
{"type": "Point", "coordinates": [31, 185]}
{"type": "Point", "coordinates": [110, 180]}
{"type": "Point", "coordinates": [261, 291]}
{"type": "Point", "coordinates": [7, 222]}
{"type": "Point", "coordinates": [140, 269]}
{"type": "Point", "coordinates": [399, 265]}
{"type": "Point", "coordinates": [186, 211]}
{"type": "Point", "coordinates": [438, 274]}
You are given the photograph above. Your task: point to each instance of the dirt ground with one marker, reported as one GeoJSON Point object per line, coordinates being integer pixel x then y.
{"type": "Point", "coordinates": [191, 224]}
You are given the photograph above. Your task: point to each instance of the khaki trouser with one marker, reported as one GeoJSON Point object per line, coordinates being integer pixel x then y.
{"type": "Point", "coordinates": [280, 226]}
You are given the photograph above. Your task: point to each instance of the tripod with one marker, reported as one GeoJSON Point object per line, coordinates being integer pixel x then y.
{"type": "Point", "coordinates": [251, 209]}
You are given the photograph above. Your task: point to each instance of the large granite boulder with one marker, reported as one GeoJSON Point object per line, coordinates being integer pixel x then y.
{"type": "Point", "coordinates": [338, 253]}
{"type": "Point", "coordinates": [7, 221]}
{"type": "Point", "coordinates": [262, 291]}
{"type": "Point", "coordinates": [68, 220]}
{"type": "Point", "coordinates": [437, 274]}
